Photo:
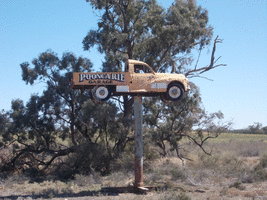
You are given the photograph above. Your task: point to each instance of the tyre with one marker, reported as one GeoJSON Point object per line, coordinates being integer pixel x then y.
{"type": "Point", "coordinates": [101, 93]}
{"type": "Point", "coordinates": [174, 92]}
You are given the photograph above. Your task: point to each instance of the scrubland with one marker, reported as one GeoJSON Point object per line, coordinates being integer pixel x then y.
{"type": "Point", "coordinates": [237, 169]}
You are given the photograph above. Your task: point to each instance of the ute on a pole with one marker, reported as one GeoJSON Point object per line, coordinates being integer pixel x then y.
{"type": "Point", "coordinates": [137, 79]}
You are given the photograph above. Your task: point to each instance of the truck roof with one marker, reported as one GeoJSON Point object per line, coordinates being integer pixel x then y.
{"type": "Point", "coordinates": [131, 61]}
{"type": "Point", "coordinates": [137, 62]}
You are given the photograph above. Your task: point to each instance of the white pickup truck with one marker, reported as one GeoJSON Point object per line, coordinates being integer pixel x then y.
{"type": "Point", "coordinates": [138, 79]}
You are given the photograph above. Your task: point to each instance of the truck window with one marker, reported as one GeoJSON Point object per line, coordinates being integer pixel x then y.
{"type": "Point", "coordinates": [141, 69]}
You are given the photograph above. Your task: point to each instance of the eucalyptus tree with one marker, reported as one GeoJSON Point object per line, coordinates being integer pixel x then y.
{"type": "Point", "coordinates": [164, 38]}
{"type": "Point", "coordinates": [144, 30]}
{"type": "Point", "coordinates": [62, 122]}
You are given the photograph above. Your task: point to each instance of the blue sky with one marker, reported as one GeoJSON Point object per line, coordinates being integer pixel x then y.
{"type": "Point", "coordinates": [239, 90]}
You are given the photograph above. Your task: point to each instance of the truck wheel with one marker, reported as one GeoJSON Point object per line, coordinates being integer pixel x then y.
{"type": "Point", "coordinates": [101, 93]}
{"type": "Point", "coordinates": [175, 92]}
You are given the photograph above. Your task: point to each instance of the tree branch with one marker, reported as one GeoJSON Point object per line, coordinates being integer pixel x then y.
{"type": "Point", "coordinates": [197, 71]}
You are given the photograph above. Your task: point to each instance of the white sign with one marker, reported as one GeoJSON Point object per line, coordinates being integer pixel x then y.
{"type": "Point", "coordinates": [158, 85]}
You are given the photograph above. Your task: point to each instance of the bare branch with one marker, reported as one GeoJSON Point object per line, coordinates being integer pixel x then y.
{"type": "Point", "coordinates": [196, 71]}
{"type": "Point", "coordinates": [61, 153]}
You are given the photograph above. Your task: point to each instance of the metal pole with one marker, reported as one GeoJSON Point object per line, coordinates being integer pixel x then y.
{"type": "Point", "coordinates": [138, 116]}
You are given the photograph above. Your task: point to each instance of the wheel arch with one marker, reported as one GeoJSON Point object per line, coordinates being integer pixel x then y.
{"type": "Point", "coordinates": [178, 82]}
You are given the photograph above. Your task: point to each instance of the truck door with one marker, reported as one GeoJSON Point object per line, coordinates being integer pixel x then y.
{"type": "Point", "coordinates": [141, 79]}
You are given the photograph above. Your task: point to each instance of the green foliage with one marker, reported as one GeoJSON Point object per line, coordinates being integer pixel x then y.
{"type": "Point", "coordinates": [61, 114]}
{"type": "Point", "coordinates": [144, 30]}
{"type": "Point", "coordinates": [46, 115]}
{"type": "Point", "coordinates": [4, 123]}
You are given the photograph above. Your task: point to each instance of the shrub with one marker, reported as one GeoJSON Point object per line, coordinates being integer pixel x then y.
{"type": "Point", "coordinates": [183, 196]}
{"type": "Point", "coordinates": [125, 162]}
{"type": "Point", "coordinates": [211, 162]}
{"type": "Point", "coordinates": [263, 160]}
{"type": "Point", "coordinates": [178, 173]}
{"type": "Point", "coordinates": [247, 177]}
{"type": "Point", "coordinates": [230, 165]}
{"type": "Point", "coordinates": [237, 185]}
{"type": "Point", "coordinates": [150, 152]}
{"type": "Point", "coordinates": [89, 157]}
{"type": "Point", "coordinates": [260, 173]}
{"type": "Point", "coordinates": [250, 152]}
{"type": "Point", "coordinates": [176, 196]}
{"type": "Point", "coordinates": [165, 186]}
{"type": "Point", "coordinates": [49, 193]}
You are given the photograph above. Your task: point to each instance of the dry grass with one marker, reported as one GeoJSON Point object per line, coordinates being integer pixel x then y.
{"type": "Point", "coordinates": [236, 169]}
